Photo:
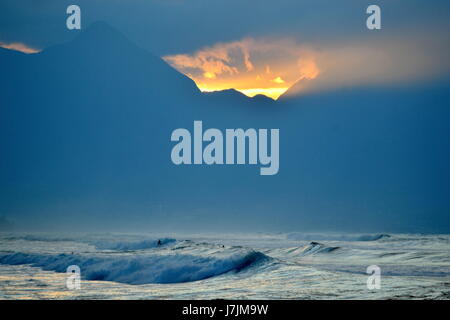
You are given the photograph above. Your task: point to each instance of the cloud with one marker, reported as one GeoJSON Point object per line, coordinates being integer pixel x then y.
{"type": "Point", "coordinates": [278, 80]}
{"type": "Point", "coordinates": [271, 66]}
{"type": "Point", "coordinates": [386, 61]}
{"type": "Point", "coordinates": [17, 46]}
{"type": "Point", "coordinates": [252, 66]}
{"type": "Point", "coordinates": [217, 60]}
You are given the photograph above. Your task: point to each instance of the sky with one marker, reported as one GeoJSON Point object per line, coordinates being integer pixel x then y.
{"type": "Point", "coordinates": [262, 47]}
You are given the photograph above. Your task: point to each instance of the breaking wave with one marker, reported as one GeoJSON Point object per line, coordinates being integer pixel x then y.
{"type": "Point", "coordinates": [313, 248]}
{"type": "Point", "coordinates": [32, 237]}
{"type": "Point", "coordinates": [125, 245]}
{"type": "Point", "coordinates": [336, 237]}
{"type": "Point", "coordinates": [173, 268]}
{"type": "Point", "coordinates": [137, 245]}
{"type": "Point", "coordinates": [316, 247]}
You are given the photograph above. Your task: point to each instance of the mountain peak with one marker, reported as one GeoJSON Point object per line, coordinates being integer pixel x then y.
{"type": "Point", "coordinates": [262, 98]}
{"type": "Point", "coordinates": [227, 94]}
{"type": "Point", "coordinates": [100, 33]}
{"type": "Point", "coordinates": [101, 28]}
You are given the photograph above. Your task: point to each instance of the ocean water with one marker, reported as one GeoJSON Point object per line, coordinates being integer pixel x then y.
{"type": "Point", "coordinates": [238, 266]}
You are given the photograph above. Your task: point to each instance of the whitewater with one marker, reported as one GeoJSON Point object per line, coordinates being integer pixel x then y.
{"type": "Point", "coordinates": [228, 266]}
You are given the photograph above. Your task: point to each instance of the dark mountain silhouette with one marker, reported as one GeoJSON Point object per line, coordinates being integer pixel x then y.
{"type": "Point", "coordinates": [103, 49]}
{"type": "Point", "coordinates": [296, 89]}
{"type": "Point", "coordinates": [262, 98]}
{"type": "Point", "coordinates": [234, 96]}
{"type": "Point", "coordinates": [229, 95]}
{"type": "Point", "coordinates": [85, 141]}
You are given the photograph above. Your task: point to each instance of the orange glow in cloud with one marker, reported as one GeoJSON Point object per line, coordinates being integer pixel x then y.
{"type": "Point", "coordinates": [278, 80]}
{"type": "Point", "coordinates": [273, 67]}
{"type": "Point", "coordinates": [17, 46]}
{"type": "Point", "coordinates": [267, 67]}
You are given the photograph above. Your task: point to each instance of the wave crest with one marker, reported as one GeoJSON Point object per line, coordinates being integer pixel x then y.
{"type": "Point", "coordinates": [174, 268]}
{"type": "Point", "coordinates": [129, 245]}
{"type": "Point", "coordinates": [336, 237]}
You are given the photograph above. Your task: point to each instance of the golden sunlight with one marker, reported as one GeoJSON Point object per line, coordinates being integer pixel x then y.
{"type": "Point", "coordinates": [267, 67]}
{"type": "Point", "coordinates": [273, 93]}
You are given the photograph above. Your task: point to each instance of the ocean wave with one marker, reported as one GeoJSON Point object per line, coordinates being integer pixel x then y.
{"type": "Point", "coordinates": [295, 253]}
{"type": "Point", "coordinates": [130, 245]}
{"type": "Point", "coordinates": [100, 242]}
{"type": "Point", "coordinates": [43, 238]}
{"type": "Point", "coordinates": [174, 268]}
{"type": "Point", "coordinates": [336, 237]}
{"type": "Point", "coordinates": [315, 248]}
{"type": "Point", "coordinates": [398, 270]}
